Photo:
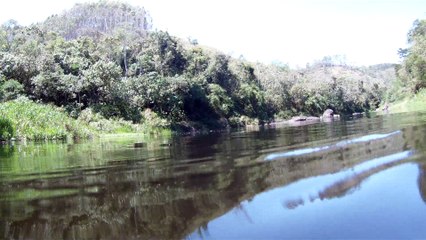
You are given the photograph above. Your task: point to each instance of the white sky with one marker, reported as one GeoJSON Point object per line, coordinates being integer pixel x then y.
{"type": "Point", "coordinates": [293, 32]}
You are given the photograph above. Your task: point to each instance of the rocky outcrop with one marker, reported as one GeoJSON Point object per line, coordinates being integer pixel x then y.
{"type": "Point", "coordinates": [303, 120]}
{"type": "Point", "coordinates": [328, 113]}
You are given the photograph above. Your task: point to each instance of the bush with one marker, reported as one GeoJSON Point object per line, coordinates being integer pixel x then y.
{"type": "Point", "coordinates": [10, 90]}
{"type": "Point", "coordinates": [40, 122]}
{"type": "Point", "coordinates": [150, 122]}
{"type": "Point", "coordinates": [7, 131]}
{"type": "Point", "coordinates": [241, 121]}
{"type": "Point", "coordinates": [219, 100]}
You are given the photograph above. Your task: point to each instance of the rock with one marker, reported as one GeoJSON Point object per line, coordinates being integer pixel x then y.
{"type": "Point", "coordinates": [298, 119]}
{"type": "Point", "coordinates": [385, 107]}
{"type": "Point", "coordinates": [327, 113]}
{"type": "Point", "coordinates": [223, 123]}
{"type": "Point", "coordinates": [313, 119]}
{"type": "Point", "coordinates": [302, 120]}
{"type": "Point", "coordinates": [327, 116]}
{"type": "Point", "coordinates": [139, 145]}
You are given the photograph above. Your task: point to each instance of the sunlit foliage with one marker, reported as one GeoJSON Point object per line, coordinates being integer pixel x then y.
{"type": "Point", "coordinates": [105, 57]}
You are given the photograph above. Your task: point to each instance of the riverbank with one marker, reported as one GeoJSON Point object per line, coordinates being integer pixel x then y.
{"type": "Point", "coordinates": [409, 104]}
{"type": "Point", "coordinates": [23, 119]}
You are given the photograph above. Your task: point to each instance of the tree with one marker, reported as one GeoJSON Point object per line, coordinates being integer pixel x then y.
{"type": "Point", "coordinates": [251, 102]}
{"type": "Point", "coordinates": [413, 71]}
{"type": "Point", "coordinates": [164, 95]}
{"type": "Point", "coordinates": [8, 30]}
{"type": "Point", "coordinates": [10, 90]}
{"type": "Point", "coordinates": [96, 19]}
{"type": "Point", "coordinates": [219, 100]}
{"type": "Point", "coordinates": [99, 81]}
{"type": "Point", "coordinates": [161, 53]}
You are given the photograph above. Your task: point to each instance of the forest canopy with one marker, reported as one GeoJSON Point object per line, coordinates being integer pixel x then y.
{"type": "Point", "coordinates": [105, 58]}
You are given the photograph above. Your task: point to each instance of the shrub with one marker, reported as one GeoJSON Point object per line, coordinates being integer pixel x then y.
{"type": "Point", "coordinates": [10, 90]}
{"type": "Point", "coordinates": [7, 130]}
{"type": "Point", "coordinates": [219, 100]}
{"type": "Point", "coordinates": [39, 122]}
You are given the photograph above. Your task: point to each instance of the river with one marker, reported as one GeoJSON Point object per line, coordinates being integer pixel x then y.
{"type": "Point", "coordinates": [351, 178]}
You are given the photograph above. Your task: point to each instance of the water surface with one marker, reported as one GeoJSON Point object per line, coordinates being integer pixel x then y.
{"type": "Point", "coordinates": [354, 178]}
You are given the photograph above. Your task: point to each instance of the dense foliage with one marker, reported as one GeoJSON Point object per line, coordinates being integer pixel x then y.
{"type": "Point", "coordinates": [25, 119]}
{"type": "Point", "coordinates": [104, 57]}
{"type": "Point", "coordinates": [412, 72]}
{"type": "Point", "coordinates": [7, 131]}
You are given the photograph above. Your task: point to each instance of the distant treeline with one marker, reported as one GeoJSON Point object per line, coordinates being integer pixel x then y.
{"type": "Point", "coordinates": [104, 57]}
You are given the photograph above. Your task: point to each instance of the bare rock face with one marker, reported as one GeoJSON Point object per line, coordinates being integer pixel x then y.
{"type": "Point", "coordinates": [328, 113]}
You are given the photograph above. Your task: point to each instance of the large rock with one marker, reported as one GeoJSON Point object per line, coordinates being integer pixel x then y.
{"type": "Point", "coordinates": [302, 120]}
{"type": "Point", "coordinates": [327, 116]}
{"type": "Point", "coordinates": [328, 113]}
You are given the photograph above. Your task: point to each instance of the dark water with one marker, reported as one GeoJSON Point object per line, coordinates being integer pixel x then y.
{"type": "Point", "coordinates": [360, 178]}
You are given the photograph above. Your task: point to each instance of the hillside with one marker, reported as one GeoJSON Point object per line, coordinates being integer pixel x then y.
{"type": "Point", "coordinates": [104, 57]}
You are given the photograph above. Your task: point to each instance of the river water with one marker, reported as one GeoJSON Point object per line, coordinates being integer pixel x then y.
{"type": "Point", "coordinates": [354, 178]}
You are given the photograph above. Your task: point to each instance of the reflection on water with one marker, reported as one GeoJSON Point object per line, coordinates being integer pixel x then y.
{"type": "Point", "coordinates": [345, 182]}
{"type": "Point", "coordinates": [268, 183]}
{"type": "Point", "coordinates": [338, 145]}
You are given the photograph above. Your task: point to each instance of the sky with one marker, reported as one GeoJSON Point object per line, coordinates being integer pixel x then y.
{"type": "Point", "coordinates": [293, 32]}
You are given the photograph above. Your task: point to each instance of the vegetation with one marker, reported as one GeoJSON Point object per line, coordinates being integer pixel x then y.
{"type": "Point", "coordinates": [25, 119]}
{"type": "Point", "coordinates": [102, 63]}
{"type": "Point", "coordinates": [6, 129]}
{"type": "Point", "coordinates": [413, 103]}
{"type": "Point", "coordinates": [412, 72]}
{"type": "Point", "coordinates": [407, 93]}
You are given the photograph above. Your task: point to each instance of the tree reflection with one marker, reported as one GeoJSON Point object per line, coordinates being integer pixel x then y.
{"type": "Point", "coordinates": [421, 181]}
{"type": "Point", "coordinates": [171, 192]}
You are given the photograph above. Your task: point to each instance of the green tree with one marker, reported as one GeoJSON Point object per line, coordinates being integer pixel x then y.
{"type": "Point", "coordinates": [413, 71]}
{"type": "Point", "coordinates": [161, 53]}
{"type": "Point", "coordinates": [10, 90]}
{"type": "Point", "coordinates": [250, 100]}
{"type": "Point", "coordinates": [219, 100]}
{"type": "Point", "coordinates": [99, 80]}
{"type": "Point", "coordinates": [96, 19]}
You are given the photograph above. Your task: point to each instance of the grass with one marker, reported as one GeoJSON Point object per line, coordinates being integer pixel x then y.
{"type": "Point", "coordinates": [411, 104]}
{"type": "Point", "coordinates": [151, 124]}
{"type": "Point", "coordinates": [25, 119]}
{"type": "Point", "coordinates": [35, 121]}
{"type": "Point", "coordinates": [7, 130]}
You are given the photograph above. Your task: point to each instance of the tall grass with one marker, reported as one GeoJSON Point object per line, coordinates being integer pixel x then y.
{"type": "Point", "coordinates": [25, 119]}
{"type": "Point", "coordinates": [151, 123]}
{"type": "Point", "coordinates": [35, 121]}
{"type": "Point", "coordinates": [410, 104]}
{"type": "Point", "coordinates": [7, 131]}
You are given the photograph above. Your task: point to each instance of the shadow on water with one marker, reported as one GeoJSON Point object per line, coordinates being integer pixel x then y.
{"type": "Point", "coordinates": [111, 190]}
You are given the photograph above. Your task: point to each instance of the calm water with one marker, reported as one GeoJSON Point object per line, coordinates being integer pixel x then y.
{"type": "Point", "coordinates": [360, 178]}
